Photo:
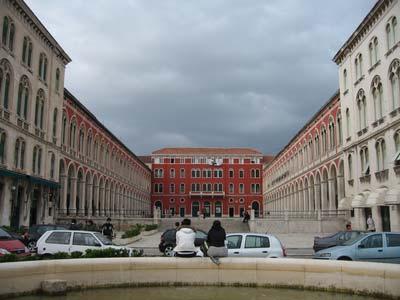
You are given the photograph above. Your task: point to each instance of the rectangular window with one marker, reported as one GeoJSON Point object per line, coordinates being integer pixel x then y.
{"type": "Point", "coordinates": [241, 174]}
{"type": "Point", "coordinates": [231, 188]}
{"type": "Point", "coordinates": [393, 240]}
{"type": "Point", "coordinates": [241, 188]}
{"type": "Point", "coordinates": [193, 173]}
{"type": "Point", "coordinates": [172, 188]}
{"type": "Point", "coordinates": [61, 238]}
{"type": "Point", "coordinates": [172, 173]}
{"type": "Point", "coordinates": [182, 188]}
{"type": "Point", "coordinates": [231, 173]}
{"type": "Point", "coordinates": [182, 173]}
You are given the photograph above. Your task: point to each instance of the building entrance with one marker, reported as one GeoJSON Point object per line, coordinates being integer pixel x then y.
{"type": "Point", "coordinates": [195, 209]}
{"type": "Point", "coordinates": [218, 209]}
{"type": "Point", "coordinates": [182, 212]}
{"type": "Point", "coordinates": [16, 206]}
{"type": "Point", "coordinates": [207, 209]}
{"type": "Point", "coordinates": [33, 212]}
{"type": "Point", "coordinates": [231, 212]}
{"type": "Point", "coordinates": [385, 213]}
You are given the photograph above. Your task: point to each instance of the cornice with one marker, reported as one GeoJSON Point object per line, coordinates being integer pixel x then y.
{"type": "Point", "coordinates": [363, 29]}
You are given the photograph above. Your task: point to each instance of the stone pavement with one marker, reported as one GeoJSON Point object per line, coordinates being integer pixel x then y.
{"type": "Point", "coordinates": [297, 244]}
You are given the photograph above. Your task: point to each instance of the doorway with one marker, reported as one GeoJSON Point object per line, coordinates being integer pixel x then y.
{"type": "Point", "coordinates": [256, 207]}
{"type": "Point", "coordinates": [33, 212]}
{"type": "Point", "coordinates": [182, 212]}
{"type": "Point", "coordinates": [218, 209]}
{"type": "Point", "coordinates": [231, 211]}
{"type": "Point", "coordinates": [241, 211]}
{"type": "Point", "coordinates": [195, 209]}
{"type": "Point", "coordinates": [385, 213]}
{"type": "Point", "coordinates": [207, 209]}
{"type": "Point", "coordinates": [16, 207]}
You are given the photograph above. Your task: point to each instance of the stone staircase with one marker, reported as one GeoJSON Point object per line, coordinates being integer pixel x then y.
{"type": "Point", "coordinates": [229, 224]}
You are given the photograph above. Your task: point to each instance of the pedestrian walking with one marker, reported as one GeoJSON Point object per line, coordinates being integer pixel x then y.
{"type": "Point", "coordinates": [108, 229]}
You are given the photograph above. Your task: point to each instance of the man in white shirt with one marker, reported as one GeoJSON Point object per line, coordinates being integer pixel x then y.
{"type": "Point", "coordinates": [185, 237]}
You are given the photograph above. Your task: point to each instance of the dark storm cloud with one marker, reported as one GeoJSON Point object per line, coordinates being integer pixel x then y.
{"type": "Point", "coordinates": [202, 73]}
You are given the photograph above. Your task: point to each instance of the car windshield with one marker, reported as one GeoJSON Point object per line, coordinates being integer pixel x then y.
{"type": "Point", "coordinates": [354, 240]}
{"type": "Point", "coordinates": [4, 235]}
{"type": "Point", "coordinates": [103, 239]}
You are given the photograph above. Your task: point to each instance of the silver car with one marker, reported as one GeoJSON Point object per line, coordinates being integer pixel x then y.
{"type": "Point", "coordinates": [374, 246]}
{"type": "Point", "coordinates": [254, 245]}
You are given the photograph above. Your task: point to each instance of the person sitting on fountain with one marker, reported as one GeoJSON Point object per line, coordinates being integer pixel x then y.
{"type": "Point", "coordinates": [185, 236]}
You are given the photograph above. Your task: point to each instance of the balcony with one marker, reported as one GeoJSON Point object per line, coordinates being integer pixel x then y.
{"type": "Point", "coordinates": [382, 175]}
{"type": "Point", "coordinates": [207, 194]}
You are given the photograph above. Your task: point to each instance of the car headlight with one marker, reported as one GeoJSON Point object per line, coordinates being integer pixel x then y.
{"type": "Point", "coordinates": [4, 251]}
{"type": "Point", "coordinates": [325, 255]}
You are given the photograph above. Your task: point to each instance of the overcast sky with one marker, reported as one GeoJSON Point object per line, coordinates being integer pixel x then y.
{"type": "Point", "coordinates": [203, 73]}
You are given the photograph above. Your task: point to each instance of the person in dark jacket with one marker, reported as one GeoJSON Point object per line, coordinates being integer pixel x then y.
{"type": "Point", "coordinates": [74, 225]}
{"type": "Point", "coordinates": [216, 242]}
{"type": "Point", "coordinates": [108, 229]}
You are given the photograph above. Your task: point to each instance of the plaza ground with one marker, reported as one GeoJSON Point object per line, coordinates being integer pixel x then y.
{"type": "Point", "coordinates": [297, 244]}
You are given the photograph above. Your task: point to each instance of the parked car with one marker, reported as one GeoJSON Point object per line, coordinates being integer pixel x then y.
{"type": "Point", "coordinates": [374, 246]}
{"type": "Point", "coordinates": [336, 239]}
{"type": "Point", "coordinates": [254, 245]}
{"type": "Point", "coordinates": [36, 231]}
{"type": "Point", "coordinates": [69, 241]}
{"type": "Point", "coordinates": [11, 245]}
{"type": "Point", "coordinates": [168, 241]}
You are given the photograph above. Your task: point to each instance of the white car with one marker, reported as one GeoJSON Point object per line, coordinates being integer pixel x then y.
{"type": "Point", "coordinates": [69, 241]}
{"type": "Point", "coordinates": [254, 245]}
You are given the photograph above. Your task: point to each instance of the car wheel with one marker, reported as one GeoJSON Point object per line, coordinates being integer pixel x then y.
{"type": "Point", "coordinates": [344, 258]}
{"type": "Point", "coordinates": [31, 246]}
{"type": "Point", "coordinates": [169, 251]}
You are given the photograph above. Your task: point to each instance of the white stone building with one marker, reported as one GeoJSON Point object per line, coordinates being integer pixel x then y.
{"type": "Point", "coordinates": [32, 66]}
{"type": "Point", "coordinates": [369, 72]}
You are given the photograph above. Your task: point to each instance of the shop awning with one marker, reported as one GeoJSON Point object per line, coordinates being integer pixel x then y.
{"type": "Point", "coordinates": [44, 182]}
{"type": "Point", "coordinates": [345, 203]}
{"type": "Point", "coordinates": [393, 197]}
{"type": "Point", "coordinates": [377, 197]}
{"type": "Point", "coordinates": [32, 179]}
{"type": "Point", "coordinates": [12, 174]}
{"type": "Point", "coordinates": [360, 200]}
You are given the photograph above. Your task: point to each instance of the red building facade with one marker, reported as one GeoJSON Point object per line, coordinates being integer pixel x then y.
{"type": "Point", "coordinates": [99, 176]}
{"type": "Point", "coordinates": [217, 182]}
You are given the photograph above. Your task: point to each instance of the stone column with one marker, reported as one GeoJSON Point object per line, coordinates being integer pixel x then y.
{"type": "Point", "coordinates": [305, 199]}
{"type": "Point", "coordinates": [107, 201]}
{"type": "Point", "coordinates": [101, 201]}
{"type": "Point", "coordinates": [324, 190]}
{"type": "Point", "coordinates": [376, 216]}
{"type": "Point", "coordinates": [332, 194]}
{"type": "Point", "coordinates": [116, 199]}
{"type": "Point", "coordinates": [112, 211]}
{"type": "Point", "coordinates": [5, 203]}
{"type": "Point", "coordinates": [72, 208]}
{"type": "Point", "coordinates": [96, 200]}
{"type": "Point", "coordinates": [341, 187]}
{"type": "Point", "coordinates": [89, 199]}
{"type": "Point", "coordinates": [394, 218]}
{"type": "Point", "coordinates": [82, 202]}
{"type": "Point", "coordinates": [360, 218]}
{"type": "Point", "coordinates": [63, 194]}
{"type": "Point", "coordinates": [311, 198]}
{"type": "Point", "coordinates": [317, 198]}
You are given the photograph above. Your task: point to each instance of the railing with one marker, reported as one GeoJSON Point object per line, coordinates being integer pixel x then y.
{"type": "Point", "coordinates": [125, 213]}
{"type": "Point", "coordinates": [306, 215]}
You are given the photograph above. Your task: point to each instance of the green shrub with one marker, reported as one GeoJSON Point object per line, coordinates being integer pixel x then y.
{"type": "Point", "coordinates": [8, 258]}
{"type": "Point", "coordinates": [60, 255]}
{"type": "Point", "coordinates": [133, 231]}
{"type": "Point", "coordinates": [31, 257]}
{"type": "Point", "coordinates": [76, 254]}
{"type": "Point", "coordinates": [150, 227]}
{"type": "Point", "coordinates": [108, 252]}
